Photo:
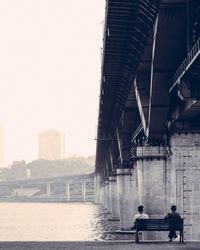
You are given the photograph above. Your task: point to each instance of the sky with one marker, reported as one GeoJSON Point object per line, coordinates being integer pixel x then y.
{"type": "Point", "coordinates": [49, 73]}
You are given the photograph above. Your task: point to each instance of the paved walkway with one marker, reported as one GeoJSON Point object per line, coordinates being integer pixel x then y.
{"type": "Point", "coordinates": [104, 245]}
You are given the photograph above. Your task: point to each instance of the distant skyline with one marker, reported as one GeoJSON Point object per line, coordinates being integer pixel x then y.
{"type": "Point", "coordinates": [51, 145]}
{"type": "Point", "coordinates": [49, 73]}
{"type": "Point", "coordinates": [2, 147]}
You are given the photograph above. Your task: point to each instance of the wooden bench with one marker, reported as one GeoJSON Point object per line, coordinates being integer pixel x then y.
{"type": "Point", "coordinates": [158, 225]}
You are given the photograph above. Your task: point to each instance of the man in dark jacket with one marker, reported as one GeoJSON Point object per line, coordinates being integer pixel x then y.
{"type": "Point", "coordinates": [172, 217]}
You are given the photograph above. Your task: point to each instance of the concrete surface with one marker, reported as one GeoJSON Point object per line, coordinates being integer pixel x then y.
{"type": "Point", "coordinates": [101, 245]}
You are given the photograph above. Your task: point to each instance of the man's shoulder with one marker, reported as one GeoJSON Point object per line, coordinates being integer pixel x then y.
{"type": "Point", "coordinates": [136, 216]}
{"type": "Point", "coordinates": [141, 216]}
{"type": "Point", "coordinates": [175, 214]}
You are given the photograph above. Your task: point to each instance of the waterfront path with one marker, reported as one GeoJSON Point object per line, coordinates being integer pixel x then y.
{"type": "Point", "coordinates": [100, 245]}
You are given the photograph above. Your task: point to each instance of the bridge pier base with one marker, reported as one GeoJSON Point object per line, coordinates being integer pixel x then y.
{"type": "Point", "coordinates": [151, 170]}
{"type": "Point", "coordinates": [97, 191]}
{"type": "Point", "coordinates": [125, 191]}
{"type": "Point", "coordinates": [68, 191]}
{"type": "Point", "coordinates": [104, 195]}
{"type": "Point", "coordinates": [84, 190]}
{"type": "Point", "coordinates": [48, 190]}
{"type": "Point", "coordinates": [185, 175]}
{"type": "Point", "coordinates": [101, 195]}
{"type": "Point", "coordinates": [107, 196]}
{"type": "Point", "coordinates": [114, 200]}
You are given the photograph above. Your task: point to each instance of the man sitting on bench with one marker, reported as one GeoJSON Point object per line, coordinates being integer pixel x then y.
{"type": "Point", "coordinates": [139, 215]}
{"type": "Point", "coordinates": [173, 218]}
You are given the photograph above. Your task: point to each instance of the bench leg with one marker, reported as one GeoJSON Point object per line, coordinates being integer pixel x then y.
{"type": "Point", "coordinates": [181, 237]}
{"type": "Point", "coordinates": [136, 237]}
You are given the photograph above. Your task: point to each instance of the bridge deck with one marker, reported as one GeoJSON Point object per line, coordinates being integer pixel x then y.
{"type": "Point", "coordinates": [103, 245]}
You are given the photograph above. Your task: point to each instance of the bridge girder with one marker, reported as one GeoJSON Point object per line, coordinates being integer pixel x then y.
{"type": "Point", "coordinates": [141, 59]}
{"type": "Point", "coordinates": [127, 28]}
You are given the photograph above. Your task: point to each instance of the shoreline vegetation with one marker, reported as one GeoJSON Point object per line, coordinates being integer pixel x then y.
{"type": "Point", "coordinates": [37, 169]}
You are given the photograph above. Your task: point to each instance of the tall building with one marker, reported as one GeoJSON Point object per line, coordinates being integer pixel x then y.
{"type": "Point", "coordinates": [51, 145]}
{"type": "Point", "coordinates": [1, 147]}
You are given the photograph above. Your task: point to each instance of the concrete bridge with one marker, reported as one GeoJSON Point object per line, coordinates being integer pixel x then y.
{"type": "Point", "coordinates": [67, 189]}
{"type": "Point", "coordinates": [148, 139]}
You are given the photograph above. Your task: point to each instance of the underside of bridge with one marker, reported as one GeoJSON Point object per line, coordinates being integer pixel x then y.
{"type": "Point", "coordinates": [148, 136]}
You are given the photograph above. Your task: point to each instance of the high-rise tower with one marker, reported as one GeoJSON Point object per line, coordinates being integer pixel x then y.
{"type": "Point", "coordinates": [1, 147]}
{"type": "Point", "coordinates": [51, 145]}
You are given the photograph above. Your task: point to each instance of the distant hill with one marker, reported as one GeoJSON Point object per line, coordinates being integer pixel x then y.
{"type": "Point", "coordinates": [45, 168]}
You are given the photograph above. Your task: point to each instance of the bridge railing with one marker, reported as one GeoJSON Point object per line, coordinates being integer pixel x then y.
{"type": "Point", "coordinates": [149, 151]}
{"type": "Point", "coordinates": [185, 65]}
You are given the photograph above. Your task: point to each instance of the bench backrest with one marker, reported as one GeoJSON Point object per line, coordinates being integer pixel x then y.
{"type": "Point", "coordinates": [158, 224]}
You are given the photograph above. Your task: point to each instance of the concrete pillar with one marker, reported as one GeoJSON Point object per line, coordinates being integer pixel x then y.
{"type": "Point", "coordinates": [151, 170]}
{"type": "Point", "coordinates": [101, 195]}
{"type": "Point", "coordinates": [125, 192]}
{"type": "Point", "coordinates": [151, 174]}
{"type": "Point", "coordinates": [185, 164]}
{"type": "Point", "coordinates": [68, 191]}
{"type": "Point", "coordinates": [97, 188]}
{"type": "Point", "coordinates": [28, 174]}
{"type": "Point", "coordinates": [48, 189]}
{"type": "Point", "coordinates": [84, 190]}
{"type": "Point", "coordinates": [134, 198]}
{"type": "Point", "coordinates": [107, 198]}
{"type": "Point", "coordinates": [104, 196]}
{"type": "Point", "coordinates": [114, 201]}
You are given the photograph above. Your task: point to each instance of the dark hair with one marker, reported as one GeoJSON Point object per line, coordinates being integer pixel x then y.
{"type": "Point", "coordinates": [173, 208]}
{"type": "Point", "coordinates": [140, 208]}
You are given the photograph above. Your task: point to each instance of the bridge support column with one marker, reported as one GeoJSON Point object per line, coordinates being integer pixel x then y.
{"type": "Point", "coordinates": [97, 190]}
{"type": "Point", "coordinates": [185, 175]}
{"type": "Point", "coordinates": [101, 195]}
{"type": "Point", "coordinates": [107, 196]}
{"type": "Point", "coordinates": [104, 196]}
{"type": "Point", "coordinates": [68, 191]}
{"type": "Point", "coordinates": [84, 190]}
{"type": "Point", "coordinates": [152, 178]}
{"type": "Point", "coordinates": [48, 189]}
{"type": "Point", "coordinates": [125, 192]}
{"type": "Point", "coordinates": [114, 200]}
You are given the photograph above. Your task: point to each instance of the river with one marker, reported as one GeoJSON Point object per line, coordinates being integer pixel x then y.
{"type": "Point", "coordinates": [54, 222]}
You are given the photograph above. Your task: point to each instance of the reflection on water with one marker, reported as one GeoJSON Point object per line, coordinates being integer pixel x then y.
{"type": "Point", "coordinates": [54, 221]}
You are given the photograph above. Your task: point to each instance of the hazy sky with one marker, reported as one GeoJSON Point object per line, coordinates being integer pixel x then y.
{"type": "Point", "coordinates": [49, 73]}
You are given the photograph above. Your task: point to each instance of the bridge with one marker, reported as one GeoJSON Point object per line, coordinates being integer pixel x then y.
{"type": "Point", "coordinates": [148, 138]}
{"type": "Point", "coordinates": [77, 188]}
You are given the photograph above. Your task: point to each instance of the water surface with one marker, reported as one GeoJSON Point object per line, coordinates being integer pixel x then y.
{"type": "Point", "coordinates": [54, 222]}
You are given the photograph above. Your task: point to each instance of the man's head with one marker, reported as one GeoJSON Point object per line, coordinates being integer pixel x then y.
{"type": "Point", "coordinates": [173, 208]}
{"type": "Point", "coordinates": [140, 209]}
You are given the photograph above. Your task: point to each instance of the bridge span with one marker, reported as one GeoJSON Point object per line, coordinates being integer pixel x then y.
{"type": "Point", "coordinates": [148, 138]}
{"type": "Point", "coordinates": [76, 188]}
